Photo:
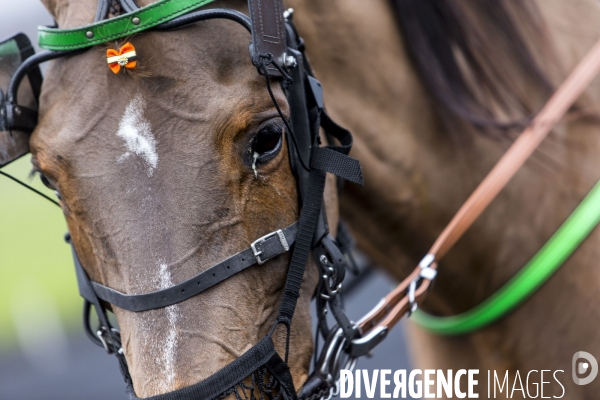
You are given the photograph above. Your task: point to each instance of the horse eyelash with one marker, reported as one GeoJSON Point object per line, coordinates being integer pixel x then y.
{"type": "Point", "coordinates": [32, 174]}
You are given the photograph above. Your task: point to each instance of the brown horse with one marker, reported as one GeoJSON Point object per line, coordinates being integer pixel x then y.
{"type": "Point", "coordinates": [407, 102]}
{"type": "Point", "coordinates": [156, 183]}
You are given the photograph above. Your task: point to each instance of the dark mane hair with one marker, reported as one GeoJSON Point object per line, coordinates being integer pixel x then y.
{"type": "Point", "coordinates": [474, 59]}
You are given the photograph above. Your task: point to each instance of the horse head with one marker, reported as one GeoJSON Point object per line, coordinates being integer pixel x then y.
{"type": "Point", "coordinates": [165, 170]}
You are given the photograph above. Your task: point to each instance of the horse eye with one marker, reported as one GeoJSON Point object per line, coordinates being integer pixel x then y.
{"type": "Point", "coordinates": [46, 182]}
{"type": "Point", "coordinates": [267, 141]}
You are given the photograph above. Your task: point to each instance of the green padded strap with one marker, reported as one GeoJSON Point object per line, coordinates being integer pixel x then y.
{"type": "Point", "coordinates": [541, 267]}
{"type": "Point", "coordinates": [115, 28]}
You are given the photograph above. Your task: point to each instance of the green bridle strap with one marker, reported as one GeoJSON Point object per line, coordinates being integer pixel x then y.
{"type": "Point", "coordinates": [115, 28]}
{"type": "Point", "coordinates": [541, 267]}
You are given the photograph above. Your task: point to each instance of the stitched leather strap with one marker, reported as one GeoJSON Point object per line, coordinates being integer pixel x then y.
{"type": "Point", "coordinates": [115, 28]}
{"type": "Point", "coordinates": [261, 250]}
{"type": "Point", "coordinates": [268, 32]}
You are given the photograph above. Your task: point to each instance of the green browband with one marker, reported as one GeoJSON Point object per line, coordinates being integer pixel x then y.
{"type": "Point", "coordinates": [118, 27]}
{"type": "Point", "coordinates": [541, 267]}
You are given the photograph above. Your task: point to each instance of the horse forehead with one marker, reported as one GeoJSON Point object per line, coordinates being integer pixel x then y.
{"type": "Point", "coordinates": [71, 13]}
{"type": "Point", "coordinates": [81, 95]}
{"type": "Point", "coordinates": [74, 13]}
{"type": "Point", "coordinates": [199, 78]}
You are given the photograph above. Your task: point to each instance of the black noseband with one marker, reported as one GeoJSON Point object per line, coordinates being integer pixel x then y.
{"type": "Point", "coordinates": [260, 251]}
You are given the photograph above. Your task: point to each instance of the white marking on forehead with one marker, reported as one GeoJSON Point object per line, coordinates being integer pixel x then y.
{"type": "Point", "coordinates": [170, 346]}
{"type": "Point", "coordinates": [136, 131]}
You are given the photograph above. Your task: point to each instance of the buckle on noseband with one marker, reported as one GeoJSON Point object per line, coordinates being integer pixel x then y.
{"type": "Point", "coordinates": [257, 252]}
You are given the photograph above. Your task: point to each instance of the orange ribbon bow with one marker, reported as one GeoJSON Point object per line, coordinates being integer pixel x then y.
{"type": "Point", "coordinates": [125, 57]}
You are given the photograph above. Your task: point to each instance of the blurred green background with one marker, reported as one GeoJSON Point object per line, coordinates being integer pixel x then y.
{"type": "Point", "coordinates": [37, 282]}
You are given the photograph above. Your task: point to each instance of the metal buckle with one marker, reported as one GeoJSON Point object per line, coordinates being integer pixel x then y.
{"type": "Point", "coordinates": [257, 253]}
{"type": "Point", "coordinates": [426, 272]}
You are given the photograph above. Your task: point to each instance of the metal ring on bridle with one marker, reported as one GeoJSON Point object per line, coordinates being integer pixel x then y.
{"type": "Point", "coordinates": [426, 272]}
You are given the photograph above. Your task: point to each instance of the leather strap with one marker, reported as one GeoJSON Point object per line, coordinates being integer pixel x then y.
{"type": "Point", "coordinates": [268, 32]}
{"type": "Point", "coordinates": [263, 249]}
{"type": "Point", "coordinates": [397, 304]}
{"type": "Point", "coordinates": [337, 163]}
{"type": "Point", "coordinates": [538, 270]}
{"type": "Point", "coordinates": [115, 28]}
{"type": "Point", "coordinates": [306, 226]}
{"type": "Point", "coordinates": [311, 209]}
{"type": "Point", "coordinates": [301, 138]}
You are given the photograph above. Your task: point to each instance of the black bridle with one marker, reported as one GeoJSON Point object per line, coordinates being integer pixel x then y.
{"type": "Point", "coordinates": [281, 58]}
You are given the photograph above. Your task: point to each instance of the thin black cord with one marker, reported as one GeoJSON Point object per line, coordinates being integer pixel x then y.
{"type": "Point", "coordinates": [29, 187]}
{"type": "Point", "coordinates": [317, 336]}
{"type": "Point", "coordinates": [287, 80]}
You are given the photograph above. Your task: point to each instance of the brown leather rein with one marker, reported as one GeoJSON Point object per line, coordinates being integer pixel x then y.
{"type": "Point", "coordinates": [402, 300]}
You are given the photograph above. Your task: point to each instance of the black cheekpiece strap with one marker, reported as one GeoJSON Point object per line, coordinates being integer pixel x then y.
{"type": "Point", "coordinates": [322, 160]}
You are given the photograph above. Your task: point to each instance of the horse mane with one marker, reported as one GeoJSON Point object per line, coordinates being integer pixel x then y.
{"type": "Point", "coordinates": [474, 59]}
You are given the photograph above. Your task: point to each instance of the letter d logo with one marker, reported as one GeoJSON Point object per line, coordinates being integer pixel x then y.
{"type": "Point", "coordinates": [583, 367]}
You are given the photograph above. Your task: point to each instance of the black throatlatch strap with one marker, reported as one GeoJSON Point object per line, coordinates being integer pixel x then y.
{"type": "Point", "coordinates": [261, 250]}
{"type": "Point", "coordinates": [328, 160]}
{"type": "Point", "coordinates": [345, 138]}
{"type": "Point", "coordinates": [334, 159]}
{"type": "Point", "coordinates": [263, 353]}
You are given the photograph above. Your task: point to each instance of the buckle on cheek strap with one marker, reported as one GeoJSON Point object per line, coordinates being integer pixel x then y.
{"type": "Point", "coordinates": [260, 255]}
